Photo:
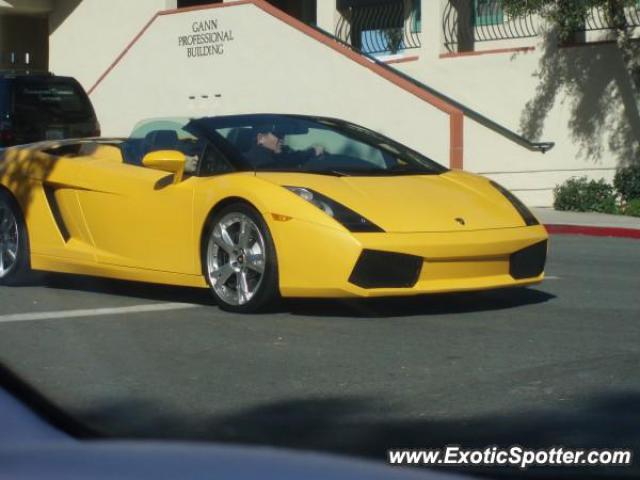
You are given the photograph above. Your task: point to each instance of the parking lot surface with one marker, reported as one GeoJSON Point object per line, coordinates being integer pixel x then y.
{"type": "Point", "coordinates": [556, 364]}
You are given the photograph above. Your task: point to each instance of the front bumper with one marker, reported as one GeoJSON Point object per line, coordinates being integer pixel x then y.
{"type": "Point", "coordinates": [317, 261]}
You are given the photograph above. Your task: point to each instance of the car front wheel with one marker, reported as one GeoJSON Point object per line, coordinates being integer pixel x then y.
{"type": "Point", "coordinates": [240, 260]}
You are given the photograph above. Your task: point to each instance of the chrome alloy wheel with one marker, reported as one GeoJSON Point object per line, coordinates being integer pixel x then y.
{"type": "Point", "coordinates": [236, 258]}
{"type": "Point", "coordinates": [9, 240]}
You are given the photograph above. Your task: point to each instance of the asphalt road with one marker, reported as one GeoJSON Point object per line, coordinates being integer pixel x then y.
{"type": "Point", "coordinates": [557, 364]}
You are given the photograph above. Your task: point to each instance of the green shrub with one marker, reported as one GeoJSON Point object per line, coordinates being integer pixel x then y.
{"type": "Point", "coordinates": [583, 195]}
{"type": "Point", "coordinates": [627, 182]}
{"type": "Point", "coordinates": [633, 208]}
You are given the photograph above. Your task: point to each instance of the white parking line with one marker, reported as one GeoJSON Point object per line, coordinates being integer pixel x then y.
{"type": "Point", "coordinates": [551, 277]}
{"type": "Point", "coordinates": [94, 312]}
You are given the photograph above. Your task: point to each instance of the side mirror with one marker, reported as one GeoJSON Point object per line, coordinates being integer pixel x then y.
{"type": "Point", "coordinates": [171, 161]}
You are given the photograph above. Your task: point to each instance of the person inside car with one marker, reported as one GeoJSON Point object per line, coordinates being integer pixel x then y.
{"type": "Point", "coordinates": [269, 150]}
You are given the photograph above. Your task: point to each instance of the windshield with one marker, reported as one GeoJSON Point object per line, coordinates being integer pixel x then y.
{"type": "Point", "coordinates": [314, 145]}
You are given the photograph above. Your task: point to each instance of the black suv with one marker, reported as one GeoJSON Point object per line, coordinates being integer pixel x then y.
{"type": "Point", "coordinates": [36, 107]}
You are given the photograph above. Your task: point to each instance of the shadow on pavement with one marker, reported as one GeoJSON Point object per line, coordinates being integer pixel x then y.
{"type": "Point", "coordinates": [348, 426]}
{"type": "Point", "coordinates": [435, 304]}
{"type": "Point", "coordinates": [452, 303]}
{"type": "Point", "coordinates": [146, 291]}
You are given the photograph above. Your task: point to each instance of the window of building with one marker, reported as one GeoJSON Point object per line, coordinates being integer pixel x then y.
{"type": "Point", "coordinates": [195, 3]}
{"type": "Point", "coordinates": [487, 12]}
{"type": "Point", "coordinates": [416, 16]}
{"type": "Point", "coordinates": [380, 27]}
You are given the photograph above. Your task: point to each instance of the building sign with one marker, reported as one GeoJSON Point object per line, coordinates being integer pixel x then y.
{"type": "Point", "coordinates": [205, 39]}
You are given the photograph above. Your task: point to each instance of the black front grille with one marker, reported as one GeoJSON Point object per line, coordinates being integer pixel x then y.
{"type": "Point", "coordinates": [528, 262]}
{"type": "Point", "coordinates": [375, 269]}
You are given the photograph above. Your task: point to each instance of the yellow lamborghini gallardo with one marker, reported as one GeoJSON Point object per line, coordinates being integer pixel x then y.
{"type": "Point", "coordinates": [255, 207]}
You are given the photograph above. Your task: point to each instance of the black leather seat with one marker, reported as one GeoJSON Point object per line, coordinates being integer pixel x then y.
{"type": "Point", "coordinates": [134, 150]}
{"type": "Point", "coordinates": [242, 138]}
{"type": "Point", "coordinates": [160, 140]}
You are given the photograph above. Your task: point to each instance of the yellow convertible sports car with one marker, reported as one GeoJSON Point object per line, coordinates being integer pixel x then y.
{"type": "Point", "coordinates": [260, 206]}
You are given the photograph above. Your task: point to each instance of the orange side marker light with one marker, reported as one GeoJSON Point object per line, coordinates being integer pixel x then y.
{"type": "Point", "coordinates": [280, 218]}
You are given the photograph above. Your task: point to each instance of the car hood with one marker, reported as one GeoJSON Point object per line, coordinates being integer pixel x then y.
{"type": "Point", "coordinates": [453, 201]}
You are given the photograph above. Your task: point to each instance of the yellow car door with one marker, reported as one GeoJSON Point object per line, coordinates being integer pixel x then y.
{"type": "Point", "coordinates": [137, 217]}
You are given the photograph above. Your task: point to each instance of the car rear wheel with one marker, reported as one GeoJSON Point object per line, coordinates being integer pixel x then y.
{"type": "Point", "coordinates": [240, 260]}
{"type": "Point", "coordinates": [14, 256]}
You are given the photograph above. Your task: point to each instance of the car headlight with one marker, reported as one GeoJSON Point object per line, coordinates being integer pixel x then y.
{"type": "Point", "coordinates": [351, 220]}
{"type": "Point", "coordinates": [525, 213]}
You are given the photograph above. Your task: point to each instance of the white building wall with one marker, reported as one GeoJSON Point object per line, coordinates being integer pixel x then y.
{"type": "Point", "coordinates": [85, 36]}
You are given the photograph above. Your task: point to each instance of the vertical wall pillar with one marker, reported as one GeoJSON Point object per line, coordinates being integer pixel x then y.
{"type": "Point", "coordinates": [431, 28]}
{"type": "Point", "coordinates": [456, 140]}
{"type": "Point", "coordinates": [327, 15]}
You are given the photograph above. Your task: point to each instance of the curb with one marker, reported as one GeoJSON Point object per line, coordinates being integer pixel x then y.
{"type": "Point", "coordinates": [618, 232]}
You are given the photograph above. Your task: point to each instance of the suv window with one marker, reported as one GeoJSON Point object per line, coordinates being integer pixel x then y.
{"type": "Point", "coordinates": [4, 99]}
{"type": "Point", "coordinates": [54, 99]}
{"type": "Point", "coordinates": [6, 135]}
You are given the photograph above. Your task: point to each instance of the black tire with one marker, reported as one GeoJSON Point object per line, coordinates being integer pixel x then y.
{"type": "Point", "coordinates": [19, 271]}
{"type": "Point", "coordinates": [267, 291]}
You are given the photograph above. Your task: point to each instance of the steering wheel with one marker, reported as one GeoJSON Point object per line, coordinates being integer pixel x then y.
{"type": "Point", "coordinates": [313, 159]}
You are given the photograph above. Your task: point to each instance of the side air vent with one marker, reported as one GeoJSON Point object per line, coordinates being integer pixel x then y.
{"type": "Point", "coordinates": [55, 211]}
